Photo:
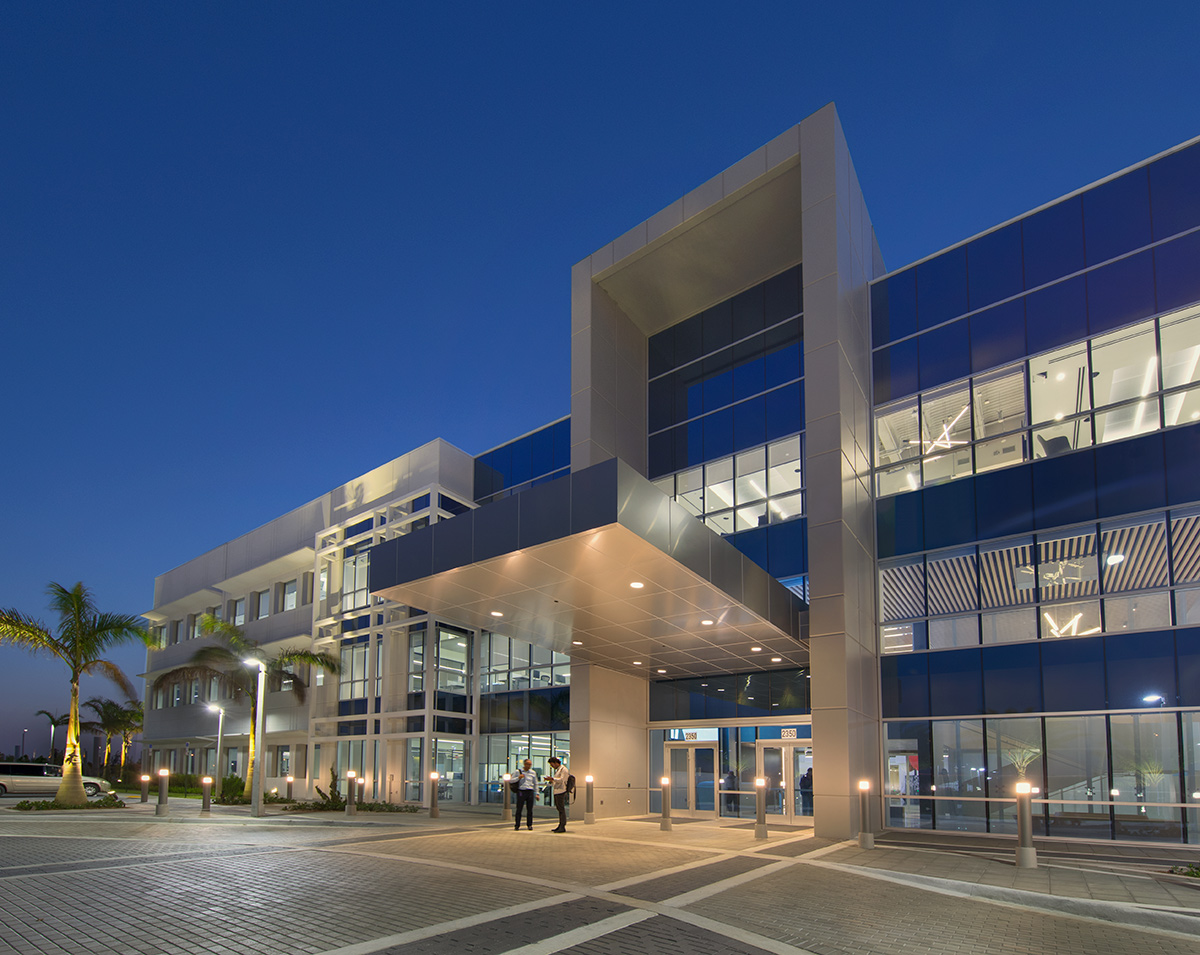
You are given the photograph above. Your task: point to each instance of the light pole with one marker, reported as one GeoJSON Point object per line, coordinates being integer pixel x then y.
{"type": "Point", "coordinates": [589, 806]}
{"type": "Point", "coordinates": [220, 711]}
{"type": "Point", "coordinates": [664, 823]}
{"type": "Point", "coordinates": [1026, 853]}
{"type": "Point", "coordinates": [256, 790]}
{"type": "Point", "coordinates": [24, 752]}
{"type": "Point", "coordinates": [866, 838]}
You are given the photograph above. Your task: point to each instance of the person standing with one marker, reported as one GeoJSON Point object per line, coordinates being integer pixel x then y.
{"type": "Point", "coordinates": [558, 776]}
{"type": "Point", "coordinates": [527, 786]}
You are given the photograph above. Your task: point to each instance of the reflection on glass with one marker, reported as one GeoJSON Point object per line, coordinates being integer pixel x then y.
{"type": "Point", "coordinates": [1007, 576]}
{"type": "Point", "coordinates": [1058, 384]}
{"type": "Point", "coordinates": [1134, 554]}
{"type": "Point", "coordinates": [751, 482]}
{"type": "Point", "coordinates": [1145, 760]}
{"type": "Point", "coordinates": [1140, 612]}
{"type": "Point", "coordinates": [896, 638]}
{"type": "Point", "coordinates": [897, 436]}
{"type": "Point", "coordinates": [1077, 767]}
{"type": "Point", "coordinates": [1009, 626]}
{"type": "Point", "coordinates": [1071, 620]}
{"type": "Point", "coordinates": [1180, 337]}
{"type": "Point", "coordinates": [960, 774]}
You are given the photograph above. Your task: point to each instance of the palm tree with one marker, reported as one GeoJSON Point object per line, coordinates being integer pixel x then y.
{"type": "Point", "coordinates": [132, 716]}
{"type": "Point", "coordinates": [55, 723]}
{"type": "Point", "coordinates": [83, 636]}
{"type": "Point", "coordinates": [226, 662]}
{"type": "Point", "coordinates": [109, 722]}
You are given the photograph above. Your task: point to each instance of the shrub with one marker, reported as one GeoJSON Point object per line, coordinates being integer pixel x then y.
{"type": "Point", "coordinates": [107, 801]}
{"type": "Point", "coordinates": [231, 790]}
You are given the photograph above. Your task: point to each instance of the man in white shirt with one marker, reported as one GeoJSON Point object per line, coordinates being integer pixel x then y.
{"type": "Point", "coordinates": [558, 775]}
{"type": "Point", "coordinates": [527, 784]}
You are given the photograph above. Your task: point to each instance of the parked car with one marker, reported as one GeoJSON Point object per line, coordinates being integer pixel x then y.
{"type": "Point", "coordinates": [22, 778]}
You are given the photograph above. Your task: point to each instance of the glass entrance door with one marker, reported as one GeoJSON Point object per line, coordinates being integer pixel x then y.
{"type": "Point", "coordinates": [787, 768]}
{"type": "Point", "coordinates": [692, 770]}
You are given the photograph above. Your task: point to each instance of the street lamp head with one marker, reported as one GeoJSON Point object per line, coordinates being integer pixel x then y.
{"type": "Point", "coordinates": [1153, 698]}
{"type": "Point", "coordinates": [254, 662]}
{"type": "Point", "coordinates": [213, 708]}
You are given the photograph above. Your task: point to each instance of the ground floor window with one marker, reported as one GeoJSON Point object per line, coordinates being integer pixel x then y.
{"type": "Point", "coordinates": [502, 753]}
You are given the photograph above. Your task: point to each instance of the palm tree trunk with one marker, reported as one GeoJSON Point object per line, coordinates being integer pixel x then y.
{"type": "Point", "coordinates": [107, 754]}
{"type": "Point", "coordinates": [70, 790]}
{"type": "Point", "coordinates": [248, 788]}
{"type": "Point", "coordinates": [124, 753]}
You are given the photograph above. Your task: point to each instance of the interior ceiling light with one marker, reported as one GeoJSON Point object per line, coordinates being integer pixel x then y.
{"type": "Point", "coordinates": [497, 613]}
{"type": "Point", "coordinates": [776, 659]}
{"type": "Point", "coordinates": [662, 671]}
{"type": "Point", "coordinates": [637, 663]}
{"type": "Point", "coordinates": [756, 649]}
{"type": "Point", "coordinates": [577, 643]}
{"type": "Point", "coordinates": [706, 623]}
{"type": "Point", "coordinates": [1114, 559]}
{"type": "Point", "coordinates": [637, 585]}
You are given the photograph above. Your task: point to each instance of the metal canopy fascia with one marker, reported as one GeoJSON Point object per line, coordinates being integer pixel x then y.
{"type": "Point", "coordinates": [555, 565]}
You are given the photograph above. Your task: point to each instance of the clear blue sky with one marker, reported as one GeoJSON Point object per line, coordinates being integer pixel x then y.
{"type": "Point", "coordinates": [249, 251]}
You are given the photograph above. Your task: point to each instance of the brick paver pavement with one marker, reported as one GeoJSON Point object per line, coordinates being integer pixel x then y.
{"type": "Point", "coordinates": [462, 884]}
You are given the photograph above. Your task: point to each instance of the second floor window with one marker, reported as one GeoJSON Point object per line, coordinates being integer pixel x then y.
{"type": "Point", "coordinates": [288, 601]}
{"type": "Point", "coordinates": [239, 612]}
{"type": "Point", "coordinates": [263, 601]}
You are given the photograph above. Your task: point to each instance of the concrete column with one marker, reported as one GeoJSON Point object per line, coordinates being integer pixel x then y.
{"type": "Point", "coordinates": [610, 739]}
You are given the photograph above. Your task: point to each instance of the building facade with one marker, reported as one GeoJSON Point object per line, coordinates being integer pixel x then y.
{"type": "Point", "coordinates": [808, 521]}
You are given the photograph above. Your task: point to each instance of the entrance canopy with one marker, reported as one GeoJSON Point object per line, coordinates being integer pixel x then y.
{"type": "Point", "coordinates": [602, 565]}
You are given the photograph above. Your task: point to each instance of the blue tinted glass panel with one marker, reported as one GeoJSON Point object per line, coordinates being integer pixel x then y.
{"type": "Point", "coordinates": [949, 514]}
{"type": "Point", "coordinates": [748, 314]}
{"type": "Point", "coordinates": [898, 315]}
{"type": "Point", "coordinates": [689, 444]}
{"type": "Point", "coordinates": [945, 354]}
{"type": "Point", "coordinates": [661, 352]}
{"type": "Point", "coordinates": [541, 451]}
{"type": "Point", "coordinates": [1116, 217]}
{"type": "Point", "coordinates": [1176, 277]}
{"type": "Point", "coordinates": [718, 434]}
{"type": "Point", "coordinates": [661, 452]}
{"type": "Point", "coordinates": [689, 342]}
{"type": "Point", "coordinates": [716, 327]}
{"type": "Point", "coordinates": [1130, 475]}
{"type": "Point", "coordinates": [562, 444]}
{"type": "Point", "coordinates": [1064, 489]}
{"type": "Point", "coordinates": [1187, 649]}
{"type": "Point", "coordinates": [1073, 674]}
{"type": "Point", "coordinates": [942, 288]}
{"type": "Point", "coordinates": [1141, 667]}
{"type": "Point", "coordinates": [749, 423]}
{"type": "Point", "coordinates": [718, 390]}
{"type": "Point", "coordinates": [1182, 447]}
{"type": "Point", "coordinates": [1004, 501]}
{"type": "Point", "coordinates": [955, 683]}
{"type": "Point", "coordinates": [1175, 192]}
{"type": "Point", "coordinates": [905, 679]}
{"type": "Point", "coordinates": [522, 461]}
{"type": "Point", "coordinates": [900, 524]}
{"type": "Point", "coordinates": [782, 365]}
{"type": "Point", "coordinates": [784, 411]}
{"type": "Point", "coordinates": [998, 335]}
{"type": "Point", "coordinates": [502, 463]}
{"type": "Point", "coordinates": [753, 544]}
{"type": "Point", "coordinates": [748, 378]}
{"type": "Point", "coordinates": [1053, 242]}
{"type": "Point", "coordinates": [660, 403]}
{"type": "Point", "coordinates": [1120, 293]}
{"type": "Point", "coordinates": [1012, 678]}
{"type": "Point", "coordinates": [994, 266]}
{"type": "Point", "coordinates": [895, 371]}
{"type": "Point", "coordinates": [787, 546]}
{"type": "Point", "coordinates": [690, 391]}
{"type": "Point", "coordinates": [1056, 315]}
{"type": "Point", "coordinates": [782, 296]}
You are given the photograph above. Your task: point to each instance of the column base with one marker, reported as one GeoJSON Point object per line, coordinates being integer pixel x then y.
{"type": "Point", "coordinates": [162, 810]}
{"type": "Point", "coordinates": [589, 818]}
{"type": "Point", "coordinates": [1026, 857]}
{"type": "Point", "coordinates": [760, 830]}
{"type": "Point", "coordinates": [665, 825]}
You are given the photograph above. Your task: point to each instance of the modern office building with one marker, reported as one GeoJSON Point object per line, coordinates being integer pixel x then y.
{"type": "Point", "coordinates": [808, 521]}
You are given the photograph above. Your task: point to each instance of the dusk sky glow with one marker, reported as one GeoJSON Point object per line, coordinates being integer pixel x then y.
{"type": "Point", "coordinates": [251, 251]}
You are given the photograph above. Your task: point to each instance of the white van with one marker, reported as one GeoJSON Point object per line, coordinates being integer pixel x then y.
{"type": "Point", "coordinates": [19, 779]}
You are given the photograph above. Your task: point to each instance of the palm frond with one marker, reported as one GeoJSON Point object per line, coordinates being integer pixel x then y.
{"type": "Point", "coordinates": [55, 721]}
{"type": "Point", "coordinates": [219, 658]}
{"type": "Point", "coordinates": [290, 657]}
{"type": "Point", "coordinates": [113, 672]}
{"type": "Point", "coordinates": [230, 633]}
{"type": "Point", "coordinates": [26, 631]}
{"type": "Point", "coordinates": [108, 629]}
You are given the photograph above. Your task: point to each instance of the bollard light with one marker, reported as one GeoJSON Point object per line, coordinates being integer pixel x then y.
{"type": "Point", "coordinates": [760, 807]}
{"type": "Point", "coordinates": [434, 812]}
{"type": "Point", "coordinates": [866, 837]}
{"type": "Point", "coordinates": [506, 798]}
{"type": "Point", "coordinates": [290, 780]}
{"type": "Point", "coordinates": [664, 824]}
{"type": "Point", "coordinates": [1114, 792]}
{"type": "Point", "coordinates": [206, 794]}
{"type": "Point", "coordinates": [145, 788]}
{"type": "Point", "coordinates": [362, 788]}
{"type": "Point", "coordinates": [1026, 853]}
{"type": "Point", "coordinates": [351, 808]}
{"type": "Point", "coordinates": [589, 805]}
{"type": "Point", "coordinates": [163, 785]}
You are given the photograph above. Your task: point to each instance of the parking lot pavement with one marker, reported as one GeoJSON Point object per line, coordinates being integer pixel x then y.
{"type": "Point", "coordinates": [132, 883]}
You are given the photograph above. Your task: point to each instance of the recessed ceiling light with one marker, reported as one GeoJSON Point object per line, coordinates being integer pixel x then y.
{"type": "Point", "coordinates": [662, 671]}
{"type": "Point", "coordinates": [706, 623]}
{"type": "Point", "coordinates": [776, 659]}
{"type": "Point", "coordinates": [637, 585]}
{"type": "Point", "coordinates": [720, 689]}
{"type": "Point", "coordinates": [756, 649]}
{"type": "Point", "coordinates": [1114, 559]}
{"type": "Point", "coordinates": [1060, 376]}
{"type": "Point", "coordinates": [705, 684]}
{"type": "Point", "coordinates": [1059, 416]}
{"type": "Point", "coordinates": [497, 613]}
{"type": "Point", "coordinates": [637, 663]}
{"type": "Point", "coordinates": [577, 643]}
